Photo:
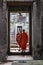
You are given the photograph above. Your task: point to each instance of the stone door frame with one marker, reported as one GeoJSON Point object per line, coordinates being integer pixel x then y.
{"type": "Point", "coordinates": [26, 7]}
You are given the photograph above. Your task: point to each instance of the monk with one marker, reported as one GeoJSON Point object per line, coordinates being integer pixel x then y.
{"type": "Point", "coordinates": [24, 40]}
{"type": "Point", "coordinates": [18, 38]}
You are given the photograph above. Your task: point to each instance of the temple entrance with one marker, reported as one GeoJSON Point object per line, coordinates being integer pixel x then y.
{"type": "Point", "coordinates": [19, 18]}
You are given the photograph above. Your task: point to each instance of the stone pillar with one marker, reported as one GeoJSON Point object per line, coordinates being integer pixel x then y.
{"type": "Point", "coordinates": [41, 19]}
{"type": "Point", "coordinates": [36, 31]}
{"type": "Point", "coordinates": [3, 28]}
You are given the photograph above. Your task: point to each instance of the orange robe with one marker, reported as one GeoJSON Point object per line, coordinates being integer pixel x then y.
{"type": "Point", "coordinates": [18, 37]}
{"type": "Point", "coordinates": [24, 40]}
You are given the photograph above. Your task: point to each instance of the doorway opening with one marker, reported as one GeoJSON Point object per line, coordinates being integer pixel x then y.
{"type": "Point", "coordinates": [19, 18]}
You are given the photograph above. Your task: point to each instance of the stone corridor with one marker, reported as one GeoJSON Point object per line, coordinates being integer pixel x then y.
{"type": "Point", "coordinates": [36, 31]}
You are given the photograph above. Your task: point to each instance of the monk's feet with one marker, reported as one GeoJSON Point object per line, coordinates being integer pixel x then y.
{"type": "Point", "coordinates": [19, 50]}
{"type": "Point", "coordinates": [23, 53]}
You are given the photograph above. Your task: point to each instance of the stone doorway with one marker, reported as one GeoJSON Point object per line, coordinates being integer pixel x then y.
{"type": "Point", "coordinates": [14, 8]}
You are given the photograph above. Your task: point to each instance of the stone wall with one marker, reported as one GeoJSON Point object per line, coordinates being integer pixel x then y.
{"type": "Point", "coordinates": [41, 19]}
{"type": "Point", "coordinates": [3, 36]}
{"type": "Point", "coordinates": [37, 16]}
{"type": "Point", "coordinates": [36, 30]}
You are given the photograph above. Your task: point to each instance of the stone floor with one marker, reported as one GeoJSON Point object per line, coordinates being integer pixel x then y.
{"type": "Point", "coordinates": [31, 62]}
{"type": "Point", "coordinates": [21, 60]}
{"type": "Point", "coordinates": [6, 63]}
{"type": "Point", "coordinates": [19, 57]}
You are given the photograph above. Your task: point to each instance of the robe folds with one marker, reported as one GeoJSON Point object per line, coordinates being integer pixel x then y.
{"type": "Point", "coordinates": [22, 40]}
{"type": "Point", "coordinates": [18, 37]}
